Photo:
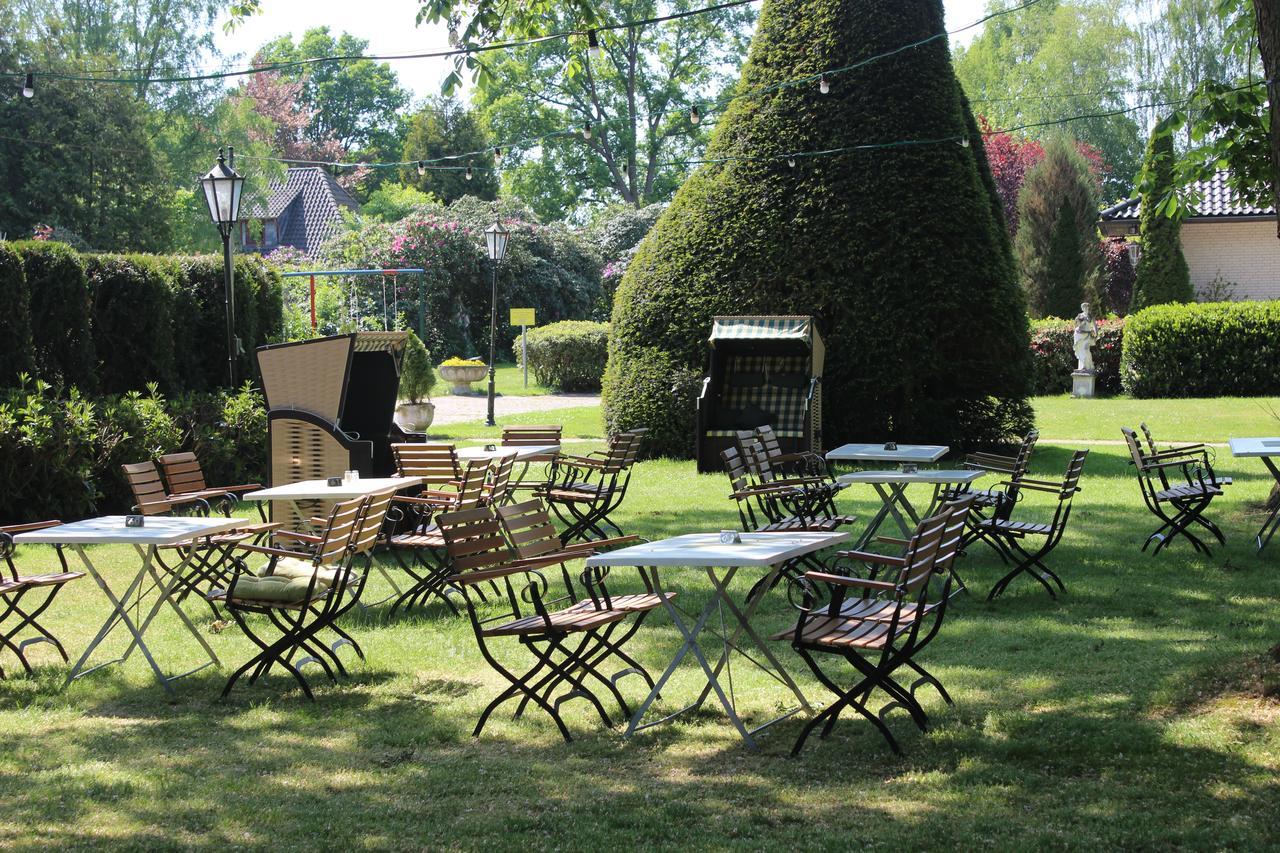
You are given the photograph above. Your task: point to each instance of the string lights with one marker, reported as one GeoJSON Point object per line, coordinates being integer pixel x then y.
{"type": "Point", "coordinates": [824, 85]}
{"type": "Point", "coordinates": [593, 45]}
{"type": "Point", "coordinates": [694, 115]}
{"type": "Point", "coordinates": [29, 86]}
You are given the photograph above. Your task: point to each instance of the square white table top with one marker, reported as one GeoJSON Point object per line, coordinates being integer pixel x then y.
{"type": "Point", "coordinates": [705, 549]}
{"type": "Point", "coordinates": [1255, 446]}
{"type": "Point", "coordinates": [469, 454]}
{"type": "Point", "coordinates": [312, 490]}
{"type": "Point", "coordinates": [917, 453]}
{"type": "Point", "coordinates": [156, 530]}
{"type": "Point", "coordinates": [927, 476]}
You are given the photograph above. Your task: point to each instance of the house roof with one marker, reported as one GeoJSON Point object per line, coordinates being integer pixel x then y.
{"type": "Point", "coordinates": [320, 200]}
{"type": "Point", "coordinates": [1212, 199]}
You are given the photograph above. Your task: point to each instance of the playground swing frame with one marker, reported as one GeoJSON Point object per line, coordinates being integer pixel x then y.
{"type": "Point", "coordinates": [392, 273]}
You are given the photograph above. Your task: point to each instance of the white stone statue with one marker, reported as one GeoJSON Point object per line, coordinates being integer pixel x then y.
{"type": "Point", "coordinates": [1084, 338]}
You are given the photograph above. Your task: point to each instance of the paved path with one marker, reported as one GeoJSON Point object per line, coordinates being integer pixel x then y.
{"type": "Point", "coordinates": [453, 410]}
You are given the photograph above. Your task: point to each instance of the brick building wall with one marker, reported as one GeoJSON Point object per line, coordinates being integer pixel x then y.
{"type": "Point", "coordinates": [1245, 254]}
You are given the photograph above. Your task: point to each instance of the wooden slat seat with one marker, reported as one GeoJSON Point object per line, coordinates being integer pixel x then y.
{"type": "Point", "coordinates": [844, 632]}
{"type": "Point", "coordinates": [636, 602]}
{"type": "Point", "coordinates": [1187, 491]}
{"type": "Point", "coordinates": [1016, 528]}
{"type": "Point", "coordinates": [422, 539]}
{"type": "Point", "coordinates": [51, 579]}
{"type": "Point", "coordinates": [568, 621]}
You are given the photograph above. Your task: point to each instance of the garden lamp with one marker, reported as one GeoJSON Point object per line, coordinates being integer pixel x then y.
{"type": "Point", "coordinates": [222, 190]}
{"type": "Point", "coordinates": [495, 241]}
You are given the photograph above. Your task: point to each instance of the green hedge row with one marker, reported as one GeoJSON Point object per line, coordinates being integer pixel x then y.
{"type": "Point", "coordinates": [60, 456]}
{"type": "Point", "coordinates": [114, 323]}
{"type": "Point", "coordinates": [1203, 350]}
{"type": "Point", "coordinates": [1053, 355]}
{"type": "Point", "coordinates": [569, 355]}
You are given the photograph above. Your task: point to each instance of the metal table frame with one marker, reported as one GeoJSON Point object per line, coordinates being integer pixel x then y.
{"type": "Point", "coordinates": [891, 486]}
{"type": "Point", "coordinates": [721, 576]}
{"type": "Point", "coordinates": [1264, 449]}
{"type": "Point", "coordinates": [77, 539]}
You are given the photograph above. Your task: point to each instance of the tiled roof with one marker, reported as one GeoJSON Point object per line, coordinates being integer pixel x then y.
{"type": "Point", "coordinates": [1211, 199]}
{"type": "Point", "coordinates": [313, 201]}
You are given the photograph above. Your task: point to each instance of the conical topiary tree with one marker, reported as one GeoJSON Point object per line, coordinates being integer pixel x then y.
{"type": "Point", "coordinates": [1162, 274]}
{"type": "Point", "coordinates": [1057, 247]}
{"type": "Point", "coordinates": [898, 249]}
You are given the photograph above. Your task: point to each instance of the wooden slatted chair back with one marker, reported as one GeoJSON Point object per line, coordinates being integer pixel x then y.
{"type": "Point", "coordinates": [473, 540]}
{"type": "Point", "coordinates": [530, 529]}
{"type": "Point", "coordinates": [182, 473]}
{"type": "Point", "coordinates": [619, 452]}
{"type": "Point", "coordinates": [924, 551]}
{"type": "Point", "coordinates": [755, 457]}
{"type": "Point", "coordinates": [739, 479]}
{"type": "Point", "coordinates": [436, 464]}
{"type": "Point", "coordinates": [1150, 439]}
{"type": "Point", "coordinates": [533, 435]}
{"type": "Point", "coordinates": [957, 513]}
{"type": "Point", "coordinates": [149, 494]}
{"type": "Point", "coordinates": [340, 530]}
{"type": "Point", "coordinates": [1135, 449]}
{"type": "Point", "coordinates": [500, 479]}
{"type": "Point", "coordinates": [472, 489]}
{"type": "Point", "coordinates": [371, 523]}
{"type": "Point", "coordinates": [1023, 457]}
{"type": "Point", "coordinates": [769, 441]}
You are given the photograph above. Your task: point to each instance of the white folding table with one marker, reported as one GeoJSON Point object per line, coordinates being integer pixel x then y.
{"type": "Point", "coordinates": [1264, 449]}
{"type": "Point", "coordinates": [320, 490]}
{"type": "Point", "coordinates": [891, 486]}
{"type": "Point", "coordinates": [523, 453]}
{"type": "Point", "coordinates": [917, 454]}
{"type": "Point", "coordinates": [765, 551]}
{"type": "Point", "coordinates": [158, 531]}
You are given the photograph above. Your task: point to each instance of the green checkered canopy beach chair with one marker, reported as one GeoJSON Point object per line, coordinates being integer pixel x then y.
{"type": "Point", "coordinates": [764, 370]}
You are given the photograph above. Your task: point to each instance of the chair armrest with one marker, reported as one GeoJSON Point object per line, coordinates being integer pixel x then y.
{"type": "Point", "coordinates": [889, 540]}
{"type": "Point", "coordinates": [872, 557]}
{"type": "Point", "coordinates": [1188, 451]}
{"type": "Point", "coordinates": [303, 537]}
{"type": "Point", "coordinates": [31, 525]}
{"type": "Point", "coordinates": [275, 552]}
{"type": "Point", "coordinates": [1033, 486]}
{"type": "Point", "coordinates": [752, 491]}
{"type": "Point", "coordinates": [842, 580]}
{"type": "Point", "coordinates": [405, 499]}
{"type": "Point", "coordinates": [593, 545]}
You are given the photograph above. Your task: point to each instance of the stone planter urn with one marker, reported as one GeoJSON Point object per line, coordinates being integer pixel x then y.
{"type": "Point", "coordinates": [460, 376]}
{"type": "Point", "coordinates": [415, 417]}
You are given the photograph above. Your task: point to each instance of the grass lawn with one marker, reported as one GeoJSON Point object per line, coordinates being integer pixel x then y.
{"type": "Point", "coordinates": [1138, 711]}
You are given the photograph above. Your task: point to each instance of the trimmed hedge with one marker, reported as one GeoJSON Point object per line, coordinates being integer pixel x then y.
{"type": "Point", "coordinates": [1211, 349]}
{"type": "Point", "coordinates": [1053, 356]}
{"type": "Point", "coordinates": [900, 253]}
{"type": "Point", "coordinates": [133, 322]}
{"type": "Point", "coordinates": [569, 355]}
{"type": "Point", "coordinates": [15, 319]}
{"type": "Point", "coordinates": [60, 305]}
{"type": "Point", "coordinates": [60, 456]}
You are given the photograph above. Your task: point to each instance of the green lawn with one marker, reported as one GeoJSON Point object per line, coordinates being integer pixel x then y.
{"type": "Point", "coordinates": [1138, 711]}
{"type": "Point", "coordinates": [578, 422]}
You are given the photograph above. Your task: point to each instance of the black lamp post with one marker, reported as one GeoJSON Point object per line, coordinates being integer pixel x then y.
{"type": "Point", "coordinates": [222, 188]}
{"type": "Point", "coordinates": [495, 240]}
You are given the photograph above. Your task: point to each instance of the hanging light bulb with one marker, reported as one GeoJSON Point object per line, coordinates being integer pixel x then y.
{"type": "Point", "coordinates": [422, 168]}
{"type": "Point", "coordinates": [694, 115]}
{"type": "Point", "coordinates": [791, 161]}
{"type": "Point", "coordinates": [964, 143]}
{"type": "Point", "coordinates": [468, 175]}
{"type": "Point", "coordinates": [497, 156]}
{"type": "Point", "coordinates": [593, 45]}
{"type": "Point", "coordinates": [453, 36]}
{"type": "Point", "coordinates": [586, 130]}
{"type": "Point", "coordinates": [29, 86]}
{"type": "Point", "coordinates": [824, 85]}
{"type": "Point", "coordinates": [626, 170]}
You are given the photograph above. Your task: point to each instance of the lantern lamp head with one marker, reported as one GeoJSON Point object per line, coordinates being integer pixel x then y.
{"type": "Point", "coordinates": [222, 189]}
{"type": "Point", "coordinates": [495, 240]}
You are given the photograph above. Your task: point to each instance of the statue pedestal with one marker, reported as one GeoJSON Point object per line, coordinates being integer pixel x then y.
{"type": "Point", "coordinates": [1082, 382]}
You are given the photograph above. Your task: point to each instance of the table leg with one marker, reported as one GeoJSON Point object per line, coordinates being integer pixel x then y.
{"type": "Point", "coordinates": [1269, 526]}
{"type": "Point", "coordinates": [165, 597]}
{"type": "Point", "coordinates": [895, 497]}
{"type": "Point", "coordinates": [690, 645]}
{"type": "Point", "coordinates": [117, 613]}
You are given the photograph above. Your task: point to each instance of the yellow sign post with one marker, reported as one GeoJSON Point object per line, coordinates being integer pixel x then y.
{"type": "Point", "coordinates": [524, 318]}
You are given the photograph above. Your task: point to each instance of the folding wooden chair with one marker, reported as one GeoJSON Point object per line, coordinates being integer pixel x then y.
{"type": "Point", "coordinates": [1178, 502]}
{"type": "Point", "coordinates": [906, 617]}
{"type": "Point", "coordinates": [184, 478]}
{"type": "Point", "coordinates": [802, 463]}
{"type": "Point", "coordinates": [19, 615]}
{"type": "Point", "coordinates": [497, 490]}
{"type": "Point", "coordinates": [775, 507]}
{"type": "Point", "coordinates": [816, 493]}
{"type": "Point", "coordinates": [416, 543]}
{"type": "Point", "coordinates": [585, 490]}
{"type": "Point", "coordinates": [1009, 534]}
{"type": "Point", "coordinates": [436, 464]}
{"type": "Point", "coordinates": [302, 594]}
{"type": "Point", "coordinates": [1199, 454]}
{"type": "Point", "coordinates": [997, 501]}
{"type": "Point", "coordinates": [568, 644]}
{"type": "Point", "coordinates": [533, 435]}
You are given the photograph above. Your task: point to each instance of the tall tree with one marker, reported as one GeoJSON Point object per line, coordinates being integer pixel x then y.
{"type": "Point", "coordinates": [354, 103]}
{"type": "Point", "coordinates": [622, 120]}
{"type": "Point", "coordinates": [1057, 60]}
{"type": "Point", "coordinates": [442, 127]}
{"type": "Point", "coordinates": [1162, 269]}
{"type": "Point", "coordinates": [861, 240]}
{"type": "Point", "coordinates": [1059, 270]}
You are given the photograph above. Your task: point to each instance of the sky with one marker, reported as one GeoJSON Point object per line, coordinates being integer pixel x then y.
{"type": "Point", "coordinates": [388, 26]}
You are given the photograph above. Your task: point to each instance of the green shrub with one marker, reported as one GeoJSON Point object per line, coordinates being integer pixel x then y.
{"type": "Point", "coordinates": [47, 454]}
{"type": "Point", "coordinates": [201, 318]}
{"type": "Point", "coordinates": [228, 432]}
{"type": "Point", "coordinates": [899, 252]}
{"type": "Point", "coordinates": [417, 373]}
{"type": "Point", "coordinates": [1212, 349]}
{"type": "Point", "coordinates": [60, 309]}
{"type": "Point", "coordinates": [1162, 274]}
{"type": "Point", "coordinates": [569, 355]}
{"type": "Point", "coordinates": [133, 325]}
{"type": "Point", "coordinates": [131, 428]}
{"type": "Point", "coordinates": [1053, 356]}
{"type": "Point", "coordinates": [15, 319]}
